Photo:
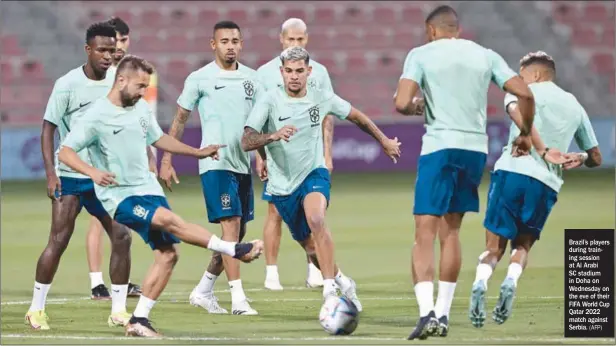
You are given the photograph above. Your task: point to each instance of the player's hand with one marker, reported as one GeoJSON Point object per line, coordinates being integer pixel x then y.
{"type": "Point", "coordinates": [574, 160]}
{"type": "Point", "coordinates": [53, 186]}
{"type": "Point", "coordinates": [261, 166]}
{"type": "Point", "coordinates": [167, 172]}
{"type": "Point", "coordinates": [284, 133]}
{"type": "Point", "coordinates": [554, 156]}
{"type": "Point", "coordinates": [521, 146]}
{"type": "Point", "coordinates": [103, 178]}
{"type": "Point", "coordinates": [210, 151]}
{"type": "Point", "coordinates": [419, 105]}
{"type": "Point", "coordinates": [392, 148]}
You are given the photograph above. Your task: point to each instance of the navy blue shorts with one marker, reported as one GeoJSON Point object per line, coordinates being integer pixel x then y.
{"type": "Point", "coordinates": [448, 182]}
{"type": "Point", "coordinates": [291, 207]}
{"type": "Point", "coordinates": [517, 204]}
{"type": "Point", "coordinates": [84, 189]}
{"type": "Point", "coordinates": [136, 212]}
{"type": "Point", "coordinates": [228, 194]}
{"type": "Point", "coordinates": [266, 196]}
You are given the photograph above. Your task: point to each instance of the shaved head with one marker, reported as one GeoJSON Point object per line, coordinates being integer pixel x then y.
{"type": "Point", "coordinates": [442, 22]}
{"type": "Point", "coordinates": [294, 24]}
{"type": "Point", "coordinates": [293, 33]}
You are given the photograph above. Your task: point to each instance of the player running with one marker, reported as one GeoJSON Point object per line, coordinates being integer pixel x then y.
{"type": "Point", "coordinates": [116, 129]}
{"type": "Point", "coordinates": [294, 33]}
{"type": "Point", "coordinates": [72, 94]}
{"type": "Point", "coordinates": [224, 92]}
{"type": "Point", "coordinates": [299, 181]}
{"type": "Point", "coordinates": [454, 75]}
{"type": "Point", "coordinates": [524, 190]}
{"type": "Point", "coordinates": [94, 245]}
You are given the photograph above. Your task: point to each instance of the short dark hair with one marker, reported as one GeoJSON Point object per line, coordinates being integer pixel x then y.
{"type": "Point", "coordinates": [119, 25]}
{"type": "Point", "coordinates": [102, 29]}
{"type": "Point", "coordinates": [135, 63]}
{"type": "Point", "coordinates": [226, 24]}
{"type": "Point", "coordinates": [539, 58]}
{"type": "Point", "coordinates": [443, 9]}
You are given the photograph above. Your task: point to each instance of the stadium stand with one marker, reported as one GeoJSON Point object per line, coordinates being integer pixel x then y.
{"type": "Point", "coordinates": [362, 45]}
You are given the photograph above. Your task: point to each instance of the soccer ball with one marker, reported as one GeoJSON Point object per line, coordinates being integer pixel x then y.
{"type": "Point", "coordinates": [338, 316]}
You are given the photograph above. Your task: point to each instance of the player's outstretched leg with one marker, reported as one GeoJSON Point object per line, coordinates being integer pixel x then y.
{"type": "Point", "coordinates": [422, 267]}
{"type": "Point", "coordinates": [519, 258]}
{"type": "Point", "coordinates": [449, 268]}
{"type": "Point", "coordinates": [272, 233]}
{"type": "Point", "coordinates": [495, 248]}
{"type": "Point", "coordinates": [63, 215]}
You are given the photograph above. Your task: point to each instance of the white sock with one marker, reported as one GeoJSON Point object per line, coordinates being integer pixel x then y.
{"type": "Point", "coordinates": [329, 287]}
{"type": "Point", "coordinates": [424, 292]}
{"type": "Point", "coordinates": [39, 296]}
{"type": "Point", "coordinates": [96, 279]}
{"type": "Point", "coordinates": [144, 306]}
{"type": "Point", "coordinates": [237, 292]}
{"type": "Point", "coordinates": [271, 272]}
{"type": "Point", "coordinates": [514, 272]}
{"type": "Point", "coordinates": [206, 285]}
{"type": "Point", "coordinates": [222, 246]}
{"type": "Point", "coordinates": [313, 271]}
{"type": "Point", "coordinates": [484, 271]}
{"type": "Point", "coordinates": [343, 281]}
{"type": "Point", "coordinates": [444, 298]}
{"type": "Point", "coordinates": [118, 298]}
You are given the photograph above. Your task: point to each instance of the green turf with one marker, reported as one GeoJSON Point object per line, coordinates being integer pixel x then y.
{"type": "Point", "coordinates": [371, 219]}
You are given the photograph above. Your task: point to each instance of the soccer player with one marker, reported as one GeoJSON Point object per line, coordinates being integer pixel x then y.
{"type": "Point", "coordinates": [454, 75]}
{"type": "Point", "coordinates": [294, 33]}
{"type": "Point", "coordinates": [116, 129]}
{"type": "Point", "coordinates": [94, 245]}
{"type": "Point", "coordinates": [524, 189]}
{"type": "Point", "coordinates": [299, 181]}
{"type": "Point", "coordinates": [72, 190]}
{"type": "Point", "coordinates": [224, 91]}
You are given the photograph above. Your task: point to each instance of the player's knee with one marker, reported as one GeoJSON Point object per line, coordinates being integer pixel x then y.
{"type": "Point", "coordinates": [171, 222]}
{"type": "Point", "coordinates": [169, 258]}
{"type": "Point", "coordinates": [316, 222]}
{"type": "Point", "coordinates": [272, 214]}
{"type": "Point", "coordinates": [121, 236]}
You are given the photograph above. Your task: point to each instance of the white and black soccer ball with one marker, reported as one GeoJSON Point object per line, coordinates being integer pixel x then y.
{"type": "Point", "coordinates": [338, 316]}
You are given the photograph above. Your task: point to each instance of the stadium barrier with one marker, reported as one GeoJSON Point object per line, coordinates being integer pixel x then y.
{"type": "Point", "coordinates": [354, 151]}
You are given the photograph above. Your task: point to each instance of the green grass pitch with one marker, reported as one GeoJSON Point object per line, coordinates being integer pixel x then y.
{"type": "Point", "coordinates": [372, 224]}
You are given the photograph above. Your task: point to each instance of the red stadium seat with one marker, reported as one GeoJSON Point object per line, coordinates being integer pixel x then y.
{"type": "Point", "coordinates": [149, 43]}
{"type": "Point", "coordinates": [125, 15]}
{"type": "Point", "coordinates": [10, 46]}
{"type": "Point", "coordinates": [181, 18]}
{"type": "Point", "coordinates": [179, 43]}
{"type": "Point", "coordinates": [384, 15]}
{"type": "Point", "coordinates": [97, 16]}
{"type": "Point", "coordinates": [584, 36]}
{"type": "Point", "coordinates": [346, 37]}
{"type": "Point", "coordinates": [608, 37]}
{"type": "Point", "coordinates": [238, 15]}
{"type": "Point", "coordinates": [324, 16]}
{"type": "Point", "coordinates": [295, 12]}
{"type": "Point", "coordinates": [33, 71]}
{"type": "Point", "coordinates": [603, 63]}
{"type": "Point", "coordinates": [355, 14]}
{"type": "Point", "coordinates": [356, 62]}
{"type": "Point", "coordinates": [178, 68]}
{"type": "Point", "coordinates": [412, 14]}
{"type": "Point", "coordinates": [565, 12]}
{"type": "Point", "coordinates": [318, 39]}
{"type": "Point", "coordinates": [377, 37]}
{"type": "Point", "coordinates": [268, 14]}
{"type": "Point", "coordinates": [595, 12]}
{"type": "Point", "coordinates": [407, 38]}
{"type": "Point", "coordinates": [7, 73]}
{"type": "Point", "coordinates": [149, 18]}
{"type": "Point", "coordinates": [208, 17]}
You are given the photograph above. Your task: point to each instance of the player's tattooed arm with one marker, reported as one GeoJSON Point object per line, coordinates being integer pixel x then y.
{"type": "Point", "coordinates": [253, 140]}
{"type": "Point", "coordinates": [177, 127]}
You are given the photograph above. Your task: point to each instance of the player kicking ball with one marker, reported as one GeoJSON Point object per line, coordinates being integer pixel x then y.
{"type": "Point", "coordinates": [115, 130]}
{"type": "Point", "coordinates": [286, 127]}
{"type": "Point", "coordinates": [524, 189]}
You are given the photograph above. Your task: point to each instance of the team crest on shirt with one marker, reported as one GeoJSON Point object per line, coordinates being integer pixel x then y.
{"type": "Point", "coordinates": [144, 125]}
{"type": "Point", "coordinates": [225, 200]}
{"type": "Point", "coordinates": [312, 83]}
{"type": "Point", "coordinates": [249, 89]}
{"type": "Point", "coordinates": [314, 115]}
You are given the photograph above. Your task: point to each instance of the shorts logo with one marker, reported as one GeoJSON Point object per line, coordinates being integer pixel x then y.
{"type": "Point", "coordinates": [249, 89]}
{"type": "Point", "coordinates": [314, 116]}
{"type": "Point", "coordinates": [140, 212]}
{"type": "Point", "coordinates": [225, 200]}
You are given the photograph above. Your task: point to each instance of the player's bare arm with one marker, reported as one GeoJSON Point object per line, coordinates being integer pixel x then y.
{"type": "Point", "coordinates": [253, 140]}
{"type": "Point", "coordinates": [47, 147]}
{"type": "Point", "coordinates": [525, 104]}
{"type": "Point", "coordinates": [174, 146]}
{"type": "Point", "coordinates": [176, 131]}
{"type": "Point", "coordinates": [151, 159]}
{"type": "Point", "coordinates": [328, 141]}
{"type": "Point", "coordinates": [69, 157]}
{"type": "Point", "coordinates": [405, 101]}
{"type": "Point", "coordinates": [390, 146]}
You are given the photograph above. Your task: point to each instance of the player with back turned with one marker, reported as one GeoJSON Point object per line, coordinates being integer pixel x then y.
{"type": "Point", "coordinates": [524, 189]}
{"type": "Point", "coordinates": [293, 33]}
{"type": "Point", "coordinates": [286, 127]}
{"type": "Point", "coordinates": [224, 91]}
{"type": "Point", "coordinates": [115, 130]}
{"type": "Point", "coordinates": [70, 190]}
{"type": "Point", "coordinates": [454, 75]}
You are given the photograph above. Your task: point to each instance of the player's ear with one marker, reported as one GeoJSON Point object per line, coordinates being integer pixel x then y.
{"type": "Point", "coordinates": [281, 39]}
{"type": "Point", "coordinates": [87, 49]}
{"type": "Point", "coordinates": [213, 44]}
